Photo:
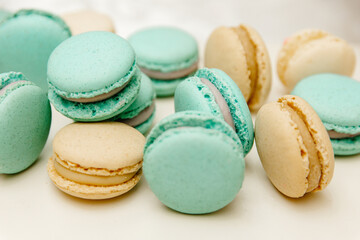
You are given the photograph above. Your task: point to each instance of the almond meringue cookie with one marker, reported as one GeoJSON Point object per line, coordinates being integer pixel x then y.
{"type": "Point", "coordinates": [96, 160]}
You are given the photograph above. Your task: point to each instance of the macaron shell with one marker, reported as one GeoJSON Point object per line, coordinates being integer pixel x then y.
{"type": "Point", "coordinates": [194, 170]}
{"type": "Point", "coordinates": [88, 20]}
{"type": "Point", "coordinates": [27, 39]}
{"type": "Point", "coordinates": [225, 51]}
{"type": "Point", "coordinates": [166, 88]}
{"type": "Point", "coordinates": [24, 126]}
{"type": "Point", "coordinates": [348, 146]}
{"type": "Point", "coordinates": [145, 126]}
{"type": "Point", "coordinates": [4, 14]}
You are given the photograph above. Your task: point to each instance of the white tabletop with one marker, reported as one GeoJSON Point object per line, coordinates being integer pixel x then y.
{"type": "Point", "coordinates": [31, 207]}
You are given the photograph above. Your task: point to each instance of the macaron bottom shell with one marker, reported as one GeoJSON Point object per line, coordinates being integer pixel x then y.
{"type": "Point", "coordinates": [347, 146]}
{"type": "Point", "coordinates": [166, 88]}
{"type": "Point", "coordinates": [145, 126]}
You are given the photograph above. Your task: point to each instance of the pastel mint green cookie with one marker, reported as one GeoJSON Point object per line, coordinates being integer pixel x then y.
{"type": "Point", "coordinates": [336, 100]}
{"type": "Point", "coordinates": [25, 118]}
{"type": "Point", "coordinates": [194, 94]}
{"type": "Point", "coordinates": [27, 39]}
{"type": "Point", "coordinates": [194, 162]}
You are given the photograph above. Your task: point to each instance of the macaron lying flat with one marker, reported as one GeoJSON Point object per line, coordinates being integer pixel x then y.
{"type": "Point", "coordinates": [96, 160]}
{"type": "Point", "coordinates": [313, 51]}
{"type": "Point", "coordinates": [214, 92]}
{"type": "Point", "coordinates": [194, 162]}
{"type": "Point", "coordinates": [141, 113]}
{"type": "Point", "coordinates": [241, 53]}
{"type": "Point", "coordinates": [88, 20]}
{"type": "Point", "coordinates": [294, 147]}
{"type": "Point", "coordinates": [167, 55]}
{"type": "Point", "coordinates": [93, 76]}
{"type": "Point", "coordinates": [336, 100]}
{"type": "Point", "coordinates": [25, 118]}
{"type": "Point", "coordinates": [27, 39]}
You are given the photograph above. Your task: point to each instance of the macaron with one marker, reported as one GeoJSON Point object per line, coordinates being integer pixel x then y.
{"type": "Point", "coordinates": [242, 54]}
{"type": "Point", "coordinates": [313, 51]}
{"type": "Point", "coordinates": [193, 162]}
{"type": "Point", "coordinates": [25, 118]}
{"type": "Point", "coordinates": [141, 113]}
{"type": "Point", "coordinates": [93, 76]}
{"type": "Point", "coordinates": [294, 147]}
{"type": "Point", "coordinates": [167, 55]}
{"type": "Point", "coordinates": [214, 92]}
{"type": "Point", "coordinates": [27, 39]}
{"type": "Point", "coordinates": [88, 20]}
{"type": "Point", "coordinates": [96, 160]}
{"type": "Point", "coordinates": [336, 100]}
{"type": "Point", "coordinates": [4, 14]}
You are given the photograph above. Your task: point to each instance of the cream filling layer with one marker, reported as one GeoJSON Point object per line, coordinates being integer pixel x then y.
{"type": "Point", "coordinates": [170, 75]}
{"type": "Point", "coordinates": [141, 117]}
{"type": "Point", "coordinates": [220, 100]}
{"type": "Point", "coordinates": [91, 179]}
{"type": "Point", "coordinates": [336, 135]}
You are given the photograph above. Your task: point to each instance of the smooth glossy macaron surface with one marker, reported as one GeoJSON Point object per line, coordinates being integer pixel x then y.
{"type": "Point", "coordinates": [25, 119]}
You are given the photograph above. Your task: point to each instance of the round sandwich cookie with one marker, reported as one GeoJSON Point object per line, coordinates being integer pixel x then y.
{"type": "Point", "coordinates": [194, 162]}
{"type": "Point", "coordinates": [93, 76]}
{"type": "Point", "coordinates": [313, 51]}
{"type": "Point", "coordinates": [294, 147]}
{"type": "Point", "coordinates": [141, 113]}
{"type": "Point", "coordinates": [87, 21]}
{"type": "Point", "coordinates": [336, 100]}
{"type": "Point", "coordinates": [25, 118]}
{"type": "Point", "coordinates": [96, 160]}
{"type": "Point", "coordinates": [214, 92]}
{"type": "Point", "coordinates": [27, 39]}
{"type": "Point", "coordinates": [242, 54]}
{"type": "Point", "coordinates": [167, 55]}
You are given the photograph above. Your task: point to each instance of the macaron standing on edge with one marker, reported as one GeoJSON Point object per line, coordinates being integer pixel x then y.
{"type": "Point", "coordinates": [96, 160]}
{"type": "Point", "coordinates": [294, 147]}
{"type": "Point", "coordinates": [167, 55]}
{"type": "Point", "coordinates": [313, 51]}
{"type": "Point", "coordinates": [27, 39]}
{"type": "Point", "coordinates": [194, 162]}
{"type": "Point", "coordinates": [242, 54]}
{"type": "Point", "coordinates": [93, 76]}
{"type": "Point", "coordinates": [25, 119]}
{"type": "Point", "coordinates": [336, 100]}
{"type": "Point", "coordinates": [214, 92]}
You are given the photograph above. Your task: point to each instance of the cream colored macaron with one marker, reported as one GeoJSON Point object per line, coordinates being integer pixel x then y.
{"type": "Point", "coordinates": [313, 51]}
{"type": "Point", "coordinates": [96, 160]}
{"type": "Point", "coordinates": [88, 20]}
{"type": "Point", "coordinates": [294, 147]}
{"type": "Point", "coordinates": [241, 53]}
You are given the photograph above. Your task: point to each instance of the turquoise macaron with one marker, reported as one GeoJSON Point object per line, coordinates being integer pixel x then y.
{"type": "Point", "coordinates": [93, 76]}
{"type": "Point", "coordinates": [141, 113]}
{"type": "Point", "coordinates": [336, 100]}
{"type": "Point", "coordinates": [167, 55]}
{"type": "Point", "coordinates": [194, 162]}
{"type": "Point", "coordinates": [4, 14]}
{"type": "Point", "coordinates": [25, 118]}
{"type": "Point", "coordinates": [214, 92]}
{"type": "Point", "coordinates": [27, 39]}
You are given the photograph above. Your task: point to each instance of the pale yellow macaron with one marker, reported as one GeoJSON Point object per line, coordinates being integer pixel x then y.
{"type": "Point", "coordinates": [88, 20]}
{"type": "Point", "coordinates": [294, 147]}
{"type": "Point", "coordinates": [241, 53]}
{"type": "Point", "coordinates": [96, 160]}
{"type": "Point", "coordinates": [313, 51]}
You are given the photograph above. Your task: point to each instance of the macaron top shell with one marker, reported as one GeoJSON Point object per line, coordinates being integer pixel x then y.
{"type": "Point", "coordinates": [164, 49]}
{"type": "Point", "coordinates": [90, 64]}
{"type": "Point", "coordinates": [335, 98]}
{"type": "Point", "coordinates": [101, 145]}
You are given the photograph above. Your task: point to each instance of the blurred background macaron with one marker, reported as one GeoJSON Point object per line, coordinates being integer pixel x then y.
{"type": "Point", "coordinates": [25, 119]}
{"type": "Point", "coordinates": [167, 55]}
{"type": "Point", "coordinates": [87, 20]}
{"type": "Point", "coordinates": [214, 92]}
{"type": "Point", "coordinates": [242, 54]}
{"type": "Point", "coordinates": [313, 51]}
{"type": "Point", "coordinates": [93, 76]}
{"type": "Point", "coordinates": [4, 14]}
{"type": "Point", "coordinates": [96, 160]}
{"type": "Point", "coordinates": [294, 147]}
{"type": "Point", "coordinates": [194, 162]}
{"type": "Point", "coordinates": [27, 39]}
{"type": "Point", "coordinates": [336, 99]}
